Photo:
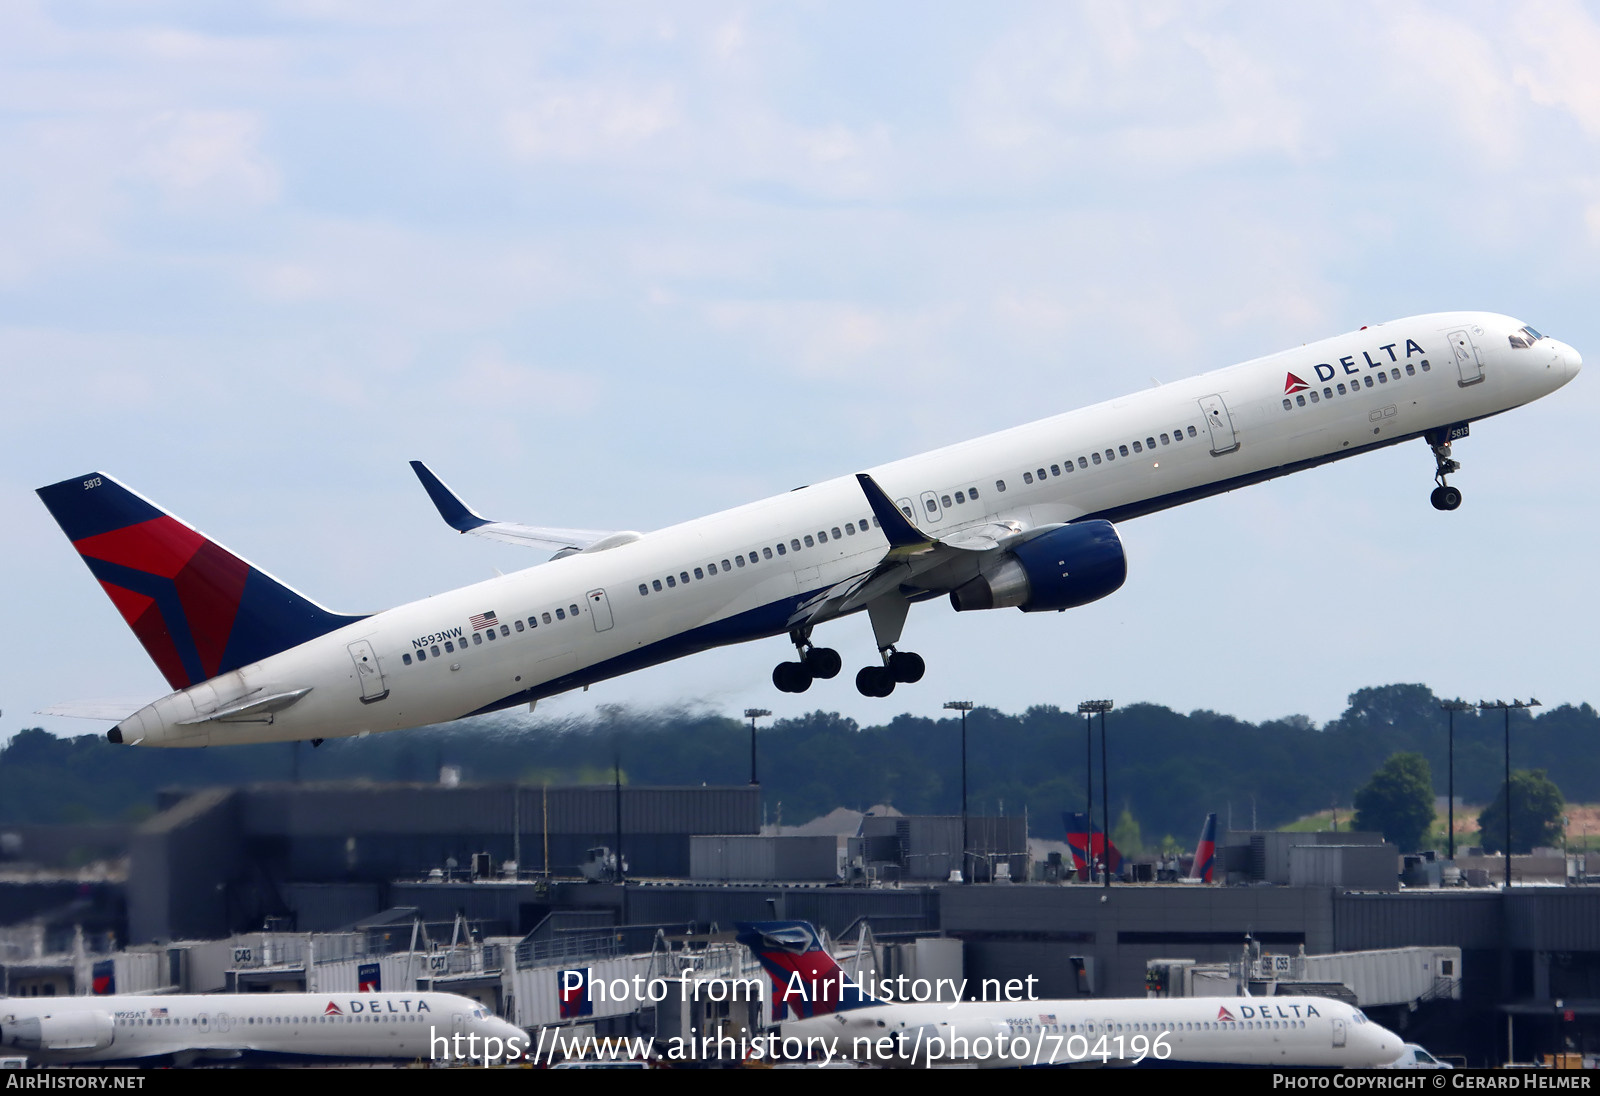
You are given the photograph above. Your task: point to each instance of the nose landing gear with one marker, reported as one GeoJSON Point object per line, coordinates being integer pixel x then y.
{"type": "Point", "coordinates": [1444, 496]}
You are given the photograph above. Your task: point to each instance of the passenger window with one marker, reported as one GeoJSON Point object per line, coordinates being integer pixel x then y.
{"type": "Point", "coordinates": [573, 609]}
{"type": "Point", "coordinates": [782, 549]}
{"type": "Point", "coordinates": [699, 572]}
{"type": "Point", "coordinates": [738, 560]}
{"type": "Point", "coordinates": [644, 591]}
{"type": "Point", "coordinates": [1411, 370]}
{"type": "Point", "coordinates": [1095, 457]}
{"type": "Point", "coordinates": [533, 621]}
{"type": "Point", "coordinates": [1300, 401]}
{"type": "Point", "coordinates": [505, 629]}
{"type": "Point", "coordinates": [655, 584]}
{"type": "Point", "coordinates": [1055, 469]}
{"type": "Point", "coordinates": [1424, 365]}
{"type": "Point", "coordinates": [1068, 466]}
{"type": "Point", "coordinates": [1191, 431]}
{"type": "Point", "coordinates": [999, 485]}
{"type": "Point", "coordinates": [794, 545]}
{"type": "Point", "coordinates": [945, 499]}
{"type": "Point", "coordinates": [1137, 448]}
{"type": "Point", "coordinates": [449, 648]}
{"type": "Point", "coordinates": [1163, 439]}
{"type": "Point", "coordinates": [755, 559]}
{"type": "Point", "coordinates": [1341, 388]}
{"type": "Point", "coordinates": [547, 615]}
{"type": "Point", "coordinates": [422, 656]}
{"type": "Point", "coordinates": [1367, 380]}
{"type": "Point", "coordinates": [1327, 393]}
{"type": "Point", "coordinates": [1383, 378]}
{"type": "Point", "coordinates": [850, 528]}
{"type": "Point", "coordinates": [1111, 454]}
{"type": "Point", "coordinates": [1040, 474]}
{"type": "Point", "coordinates": [561, 614]}
{"type": "Point", "coordinates": [725, 566]}
{"type": "Point", "coordinates": [1394, 374]}
{"type": "Point", "coordinates": [768, 551]}
{"type": "Point", "coordinates": [683, 577]}
{"type": "Point", "coordinates": [406, 658]}
{"type": "Point", "coordinates": [822, 537]}
{"type": "Point", "coordinates": [489, 633]}
{"type": "Point", "coordinates": [836, 532]}
{"type": "Point", "coordinates": [1027, 477]}
{"type": "Point", "coordinates": [809, 542]}
{"type": "Point", "coordinates": [961, 497]}
{"type": "Point", "coordinates": [1123, 449]}
{"type": "Point", "coordinates": [435, 650]}
{"type": "Point", "coordinates": [1314, 396]}
{"type": "Point", "coordinates": [1286, 404]}
{"type": "Point", "coordinates": [711, 568]}
{"type": "Point", "coordinates": [1149, 443]}
{"type": "Point", "coordinates": [670, 582]}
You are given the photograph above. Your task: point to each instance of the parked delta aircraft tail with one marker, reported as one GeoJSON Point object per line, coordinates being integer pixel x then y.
{"type": "Point", "coordinates": [1205, 853]}
{"type": "Point", "coordinates": [1022, 519]}
{"type": "Point", "coordinates": [835, 1018]}
{"type": "Point", "coordinates": [1088, 843]}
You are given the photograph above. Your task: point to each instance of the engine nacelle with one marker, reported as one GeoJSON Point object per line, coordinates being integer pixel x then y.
{"type": "Point", "coordinates": [1061, 569]}
{"type": "Point", "coordinates": [75, 1030]}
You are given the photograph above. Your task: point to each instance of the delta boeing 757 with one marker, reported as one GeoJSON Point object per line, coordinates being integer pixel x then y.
{"type": "Point", "coordinates": [1024, 518]}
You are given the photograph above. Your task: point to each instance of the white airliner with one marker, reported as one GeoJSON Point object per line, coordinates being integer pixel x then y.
{"type": "Point", "coordinates": [836, 1018]}
{"type": "Point", "coordinates": [190, 1027]}
{"type": "Point", "coordinates": [1021, 518]}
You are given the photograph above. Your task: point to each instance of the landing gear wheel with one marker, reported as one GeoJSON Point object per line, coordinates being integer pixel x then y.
{"type": "Point", "coordinates": [1445, 497]}
{"type": "Point", "coordinates": [874, 681]}
{"type": "Point", "coordinates": [823, 662]}
{"type": "Point", "coordinates": [906, 667]}
{"type": "Point", "coordinates": [791, 677]}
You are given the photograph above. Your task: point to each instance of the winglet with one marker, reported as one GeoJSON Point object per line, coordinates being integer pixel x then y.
{"type": "Point", "coordinates": [899, 530]}
{"type": "Point", "coordinates": [457, 514]}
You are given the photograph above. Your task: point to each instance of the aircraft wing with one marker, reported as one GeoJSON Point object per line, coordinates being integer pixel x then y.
{"type": "Point", "coordinates": [462, 518]}
{"type": "Point", "coordinates": [912, 555]}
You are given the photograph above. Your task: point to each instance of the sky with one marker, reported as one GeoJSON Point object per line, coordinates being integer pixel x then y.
{"type": "Point", "coordinates": [616, 266]}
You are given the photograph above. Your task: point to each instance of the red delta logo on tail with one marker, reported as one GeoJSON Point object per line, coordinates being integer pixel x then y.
{"type": "Point", "coordinates": [1089, 844]}
{"type": "Point", "coordinates": [198, 609]}
{"type": "Point", "coordinates": [804, 976]}
{"type": "Point", "coordinates": [1205, 853]}
{"type": "Point", "coordinates": [1293, 384]}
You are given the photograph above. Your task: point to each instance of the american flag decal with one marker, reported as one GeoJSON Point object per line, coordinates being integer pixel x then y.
{"type": "Point", "coordinates": [484, 620]}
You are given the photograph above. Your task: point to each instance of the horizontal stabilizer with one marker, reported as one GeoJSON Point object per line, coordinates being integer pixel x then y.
{"type": "Point", "coordinates": [115, 709]}
{"type": "Point", "coordinates": [464, 519]}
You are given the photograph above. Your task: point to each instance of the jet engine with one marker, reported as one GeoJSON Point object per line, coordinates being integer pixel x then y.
{"type": "Point", "coordinates": [1061, 569]}
{"type": "Point", "coordinates": [76, 1030]}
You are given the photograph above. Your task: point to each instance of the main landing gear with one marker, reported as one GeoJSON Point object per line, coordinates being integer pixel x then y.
{"type": "Point", "coordinates": [899, 668]}
{"type": "Point", "coordinates": [1444, 496]}
{"type": "Point", "coordinates": [815, 662]}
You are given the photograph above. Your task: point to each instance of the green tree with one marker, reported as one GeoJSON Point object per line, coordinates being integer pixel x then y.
{"type": "Point", "coordinates": [1398, 801]}
{"type": "Point", "coordinates": [1126, 835]}
{"type": "Point", "coordinates": [1536, 812]}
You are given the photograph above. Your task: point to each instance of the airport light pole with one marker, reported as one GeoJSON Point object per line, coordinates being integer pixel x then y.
{"type": "Point", "coordinates": [963, 706]}
{"type": "Point", "coordinates": [1452, 707]}
{"type": "Point", "coordinates": [753, 714]}
{"type": "Point", "coordinates": [1506, 708]}
{"type": "Point", "coordinates": [1088, 708]}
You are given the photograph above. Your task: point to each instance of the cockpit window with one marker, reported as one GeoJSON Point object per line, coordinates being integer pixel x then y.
{"type": "Point", "coordinates": [1525, 338]}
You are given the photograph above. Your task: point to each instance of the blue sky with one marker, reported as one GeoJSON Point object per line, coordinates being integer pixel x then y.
{"type": "Point", "coordinates": [616, 266]}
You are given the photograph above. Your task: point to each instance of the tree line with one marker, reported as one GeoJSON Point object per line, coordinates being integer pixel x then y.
{"type": "Point", "coordinates": [1166, 768]}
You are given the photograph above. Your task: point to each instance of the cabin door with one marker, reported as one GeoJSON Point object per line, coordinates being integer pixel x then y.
{"type": "Point", "coordinates": [368, 674]}
{"type": "Point", "coordinates": [1220, 423]}
{"type": "Point", "coordinates": [600, 610]}
{"type": "Point", "coordinates": [1338, 1033]}
{"type": "Point", "coordinates": [1467, 362]}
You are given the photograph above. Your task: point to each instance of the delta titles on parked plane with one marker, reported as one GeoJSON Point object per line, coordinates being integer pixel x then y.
{"type": "Point", "coordinates": [191, 1027]}
{"type": "Point", "coordinates": [835, 1018]}
{"type": "Point", "coordinates": [1022, 518]}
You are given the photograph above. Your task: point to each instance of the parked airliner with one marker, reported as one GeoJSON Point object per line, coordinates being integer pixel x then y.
{"type": "Point", "coordinates": [1023, 518]}
{"type": "Point", "coordinates": [840, 1019]}
{"type": "Point", "coordinates": [191, 1027]}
